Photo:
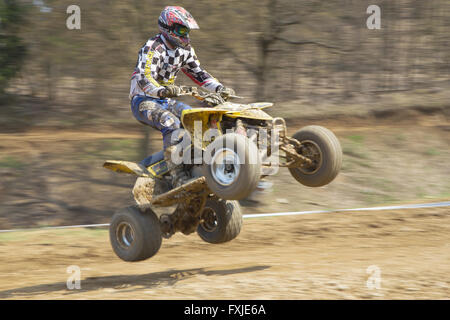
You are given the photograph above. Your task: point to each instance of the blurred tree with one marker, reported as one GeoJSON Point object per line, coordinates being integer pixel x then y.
{"type": "Point", "coordinates": [272, 25]}
{"type": "Point", "coordinates": [281, 50]}
{"type": "Point", "coordinates": [12, 50]}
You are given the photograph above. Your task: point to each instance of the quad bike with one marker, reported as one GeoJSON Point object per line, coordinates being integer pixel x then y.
{"type": "Point", "coordinates": [222, 168]}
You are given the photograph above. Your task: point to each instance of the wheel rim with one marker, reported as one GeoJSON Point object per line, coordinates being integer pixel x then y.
{"type": "Point", "coordinates": [225, 166]}
{"type": "Point", "coordinates": [312, 151]}
{"type": "Point", "coordinates": [209, 220]}
{"type": "Point", "coordinates": [125, 235]}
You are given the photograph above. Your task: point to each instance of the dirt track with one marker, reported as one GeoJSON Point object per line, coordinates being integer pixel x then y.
{"type": "Point", "coordinates": [322, 256]}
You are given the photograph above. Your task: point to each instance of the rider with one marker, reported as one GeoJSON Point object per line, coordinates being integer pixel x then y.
{"type": "Point", "coordinates": [152, 83]}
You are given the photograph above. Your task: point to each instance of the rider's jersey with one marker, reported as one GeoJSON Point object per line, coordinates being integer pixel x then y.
{"type": "Point", "coordinates": [158, 66]}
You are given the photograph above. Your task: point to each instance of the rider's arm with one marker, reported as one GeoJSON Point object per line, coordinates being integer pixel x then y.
{"type": "Point", "coordinates": [202, 78]}
{"type": "Point", "coordinates": [147, 69]}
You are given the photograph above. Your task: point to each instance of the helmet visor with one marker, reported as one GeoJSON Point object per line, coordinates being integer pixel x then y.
{"type": "Point", "coordinates": [181, 30]}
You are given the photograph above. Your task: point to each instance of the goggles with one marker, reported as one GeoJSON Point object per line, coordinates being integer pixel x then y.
{"type": "Point", "coordinates": [181, 31]}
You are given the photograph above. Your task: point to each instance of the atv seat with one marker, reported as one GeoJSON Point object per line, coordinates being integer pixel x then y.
{"type": "Point", "coordinates": [152, 159]}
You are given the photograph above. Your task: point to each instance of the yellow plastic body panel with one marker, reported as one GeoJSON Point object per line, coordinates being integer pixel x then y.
{"type": "Point", "coordinates": [209, 117]}
{"type": "Point", "coordinates": [127, 167]}
{"type": "Point", "coordinates": [205, 115]}
{"type": "Point", "coordinates": [232, 110]}
{"type": "Point", "coordinates": [250, 114]}
{"type": "Point", "coordinates": [158, 169]}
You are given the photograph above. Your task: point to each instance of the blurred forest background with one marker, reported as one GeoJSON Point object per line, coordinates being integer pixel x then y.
{"type": "Point", "coordinates": [295, 53]}
{"type": "Point", "coordinates": [315, 59]}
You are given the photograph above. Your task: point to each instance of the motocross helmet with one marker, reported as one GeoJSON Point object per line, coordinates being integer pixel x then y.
{"type": "Point", "coordinates": [175, 24]}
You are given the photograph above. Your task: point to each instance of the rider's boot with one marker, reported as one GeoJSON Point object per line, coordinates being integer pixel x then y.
{"type": "Point", "coordinates": [179, 176]}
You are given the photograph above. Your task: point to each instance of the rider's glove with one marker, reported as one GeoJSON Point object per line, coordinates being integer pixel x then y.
{"type": "Point", "coordinates": [225, 92]}
{"type": "Point", "coordinates": [170, 91]}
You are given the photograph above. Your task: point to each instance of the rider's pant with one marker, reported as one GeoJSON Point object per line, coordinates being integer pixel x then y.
{"type": "Point", "coordinates": [161, 114]}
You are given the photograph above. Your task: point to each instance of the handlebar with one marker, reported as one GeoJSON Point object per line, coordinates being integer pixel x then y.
{"type": "Point", "coordinates": [212, 98]}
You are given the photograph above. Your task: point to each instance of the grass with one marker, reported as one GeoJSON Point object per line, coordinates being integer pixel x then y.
{"type": "Point", "coordinates": [84, 232]}
{"type": "Point", "coordinates": [356, 138]}
{"type": "Point", "coordinates": [35, 234]}
{"type": "Point", "coordinates": [11, 163]}
{"type": "Point", "coordinates": [14, 236]}
{"type": "Point", "coordinates": [353, 146]}
{"type": "Point", "coordinates": [432, 152]}
{"type": "Point", "coordinates": [384, 184]}
{"type": "Point", "coordinates": [120, 149]}
{"type": "Point", "coordinates": [354, 151]}
{"type": "Point", "coordinates": [375, 198]}
{"type": "Point", "coordinates": [355, 156]}
{"type": "Point", "coordinates": [400, 137]}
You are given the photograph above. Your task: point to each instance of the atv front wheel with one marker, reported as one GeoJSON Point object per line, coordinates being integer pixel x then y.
{"type": "Point", "coordinates": [233, 166]}
{"type": "Point", "coordinates": [323, 148]}
{"type": "Point", "coordinates": [221, 221]}
{"type": "Point", "coordinates": [135, 235]}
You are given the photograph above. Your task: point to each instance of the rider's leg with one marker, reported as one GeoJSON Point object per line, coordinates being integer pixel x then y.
{"type": "Point", "coordinates": [161, 114]}
{"type": "Point", "coordinates": [170, 139]}
{"type": "Point", "coordinates": [157, 114]}
{"type": "Point", "coordinates": [177, 107]}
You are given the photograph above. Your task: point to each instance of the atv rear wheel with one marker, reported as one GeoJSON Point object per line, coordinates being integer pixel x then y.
{"type": "Point", "coordinates": [320, 145]}
{"type": "Point", "coordinates": [233, 166]}
{"type": "Point", "coordinates": [221, 221]}
{"type": "Point", "coordinates": [135, 235]}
